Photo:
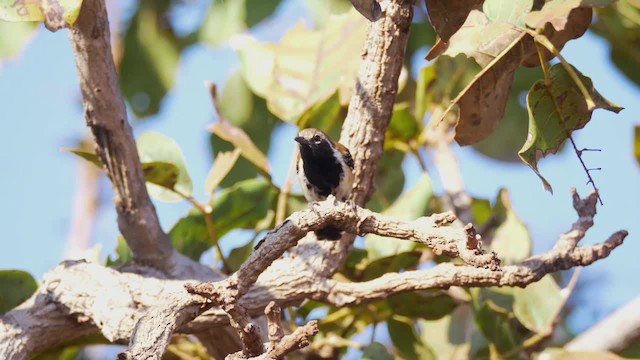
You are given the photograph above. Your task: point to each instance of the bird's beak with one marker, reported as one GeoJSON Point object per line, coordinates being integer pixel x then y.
{"type": "Point", "coordinates": [301, 140]}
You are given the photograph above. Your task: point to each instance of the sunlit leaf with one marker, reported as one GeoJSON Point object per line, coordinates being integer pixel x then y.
{"type": "Point", "coordinates": [15, 36]}
{"type": "Point", "coordinates": [221, 166]}
{"type": "Point", "coordinates": [409, 206]}
{"type": "Point", "coordinates": [227, 18]}
{"type": "Point", "coordinates": [87, 155]}
{"type": "Point", "coordinates": [15, 287]}
{"type": "Point", "coordinates": [406, 341]}
{"type": "Point", "coordinates": [235, 135]}
{"type": "Point", "coordinates": [56, 14]}
{"type": "Point", "coordinates": [122, 251]}
{"type": "Point", "coordinates": [154, 148]}
{"type": "Point", "coordinates": [560, 354]}
{"type": "Point", "coordinates": [150, 59]}
{"type": "Point", "coordinates": [161, 173]}
{"type": "Point", "coordinates": [308, 65]}
{"type": "Point", "coordinates": [511, 240]}
{"type": "Point", "coordinates": [453, 336]}
{"type": "Point", "coordinates": [536, 305]}
{"type": "Point", "coordinates": [556, 12]}
{"type": "Point", "coordinates": [403, 126]}
{"type": "Point", "coordinates": [555, 111]}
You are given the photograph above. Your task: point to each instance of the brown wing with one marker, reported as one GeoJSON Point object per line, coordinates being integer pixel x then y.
{"type": "Point", "coordinates": [346, 155]}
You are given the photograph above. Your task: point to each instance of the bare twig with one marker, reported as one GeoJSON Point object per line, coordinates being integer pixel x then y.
{"type": "Point", "coordinates": [106, 116]}
{"type": "Point", "coordinates": [273, 313]}
{"type": "Point", "coordinates": [248, 332]}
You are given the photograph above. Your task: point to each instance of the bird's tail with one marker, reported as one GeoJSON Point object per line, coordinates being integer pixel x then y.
{"type": "Point", "coordinates": [329, 233]}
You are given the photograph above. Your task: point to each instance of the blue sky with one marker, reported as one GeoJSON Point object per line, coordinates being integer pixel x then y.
{"type": "Point", "coordinates": [42, 113]}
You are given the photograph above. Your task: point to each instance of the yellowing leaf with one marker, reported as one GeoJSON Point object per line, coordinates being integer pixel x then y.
{"type": "Point", "coordinates": [56, 14]}
{"type": "Point", "coordinates": [221, 166]}
{"type": "Point", "coordinates": [511, 239]}
{"type": "Point", "coordinates": [307, 66]}
{"type": "Point", "coordinates": [537, 304]}
{"type": "Point", "coordinates": [161, 173]}
{"type": "Point", "coordinates": [89, 156]}
{"type": "Point", "coordinates": [235, 135]}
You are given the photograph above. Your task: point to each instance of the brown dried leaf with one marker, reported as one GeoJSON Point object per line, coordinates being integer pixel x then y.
{"type": "Point", "coordinates": [447, 16]}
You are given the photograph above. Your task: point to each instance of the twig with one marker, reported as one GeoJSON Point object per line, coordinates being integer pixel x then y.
{"type": "Point", "coordinates": [276, 333]}
{"type": "Point", "coordinates": [281, 209]}
{"type": "Point", "coordinates": [548, 84]}
{"type": "Point", "coordinates": [248, 332]}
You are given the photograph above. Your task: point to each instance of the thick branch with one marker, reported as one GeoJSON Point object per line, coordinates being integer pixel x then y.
{"type": "Point", "coordinates": [115, 302]}
{"type": "Point", "coordinates": [106, 116]}
{"type": "Point", "coordinates": [615, 333]}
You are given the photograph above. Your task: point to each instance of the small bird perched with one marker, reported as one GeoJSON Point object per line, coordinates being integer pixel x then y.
{"type": "Point", "coordinates": [324, 168]}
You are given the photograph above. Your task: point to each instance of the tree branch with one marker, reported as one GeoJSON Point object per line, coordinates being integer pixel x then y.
{"type": "Point", "coordinates": [614, 333]}
{"type": "Point", "coordinates": [106, 116]}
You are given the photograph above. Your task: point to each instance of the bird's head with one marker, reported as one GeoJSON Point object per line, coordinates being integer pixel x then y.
{"type": "Point", "coordinates": [314, 141]}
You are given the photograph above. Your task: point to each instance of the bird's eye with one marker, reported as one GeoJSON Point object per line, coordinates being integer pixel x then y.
{"type": "Point", "coordinates": [317, 139]}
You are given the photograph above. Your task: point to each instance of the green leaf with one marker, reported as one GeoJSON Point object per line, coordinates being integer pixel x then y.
{"type": "Point", "coordinates": [244, 205]}
{"type": "Point", "coordinates": [536, 305]}
{"type": "Point", "coordinates": [453, 336]}
{"type": "Point", "coordinates": [226, 18]}
{"type": "Point", "coordinates": [326, 115]}
{"type": "Point", "coordinates": [403, 126]}
{"type": "Point", "coordinates": [15, 287]}
{"type": "Point", "coordinates": [163, 174]}
{"type": "Point", "coordinates": [307, 66]}
{"type": "Point", "coordinates": [221, 166]}
{"type": "Point", "coordinates": [190, 236]}
{"type": "Point", "coordinates": [157, 148]}
{"type": "Point", "coordinates": [150, 59]}
{"type": "Point", "coordinates": [15, 36]}
{"type": "Point", "coordinates": [554, 113]}
{"type": "Point", "coordinates": [422, 305]}
{"type": "Point", "coordinates": [409, 206]}
{"type": "Point", "coordinates": [122, 250]}
{"type": "Point", "coordinates": [375, 351]}
{"type": "Point", "coordinates": [239, 255]}
{"type": "Point", "coordinates": [511, 240]}
{"type": "Point", "coordinates": [389, 181]}
{"type": "Point", "coordinates": [495, 324]}
{"type": "Point", "coordinates": [258, 126]}
{"type": "Point", "coordinates": [64, 353]}
{"type": "Point", "coordinates": [56, 14]}
{"type": "Point", "coordinates": [373, 269]}
{"type": "Point", "coordinates": [406, 341]}
{"type": "Point", "coordinates": [89, 156]}
{"type": "Point", "coordinates": [614, 24]}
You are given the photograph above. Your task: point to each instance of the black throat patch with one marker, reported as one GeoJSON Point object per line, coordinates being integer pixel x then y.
{"type": "Point", "coordinates": [321, 168]}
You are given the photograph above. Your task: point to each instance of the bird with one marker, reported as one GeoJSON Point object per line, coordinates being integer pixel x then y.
{"type": "Point", "coordinates": [324, 167]}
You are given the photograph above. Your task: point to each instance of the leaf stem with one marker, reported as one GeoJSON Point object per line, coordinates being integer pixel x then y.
{"type": "Point", "coordinates": [544, 41]}
{"type": "Point", "coordinates": [207, 213]}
